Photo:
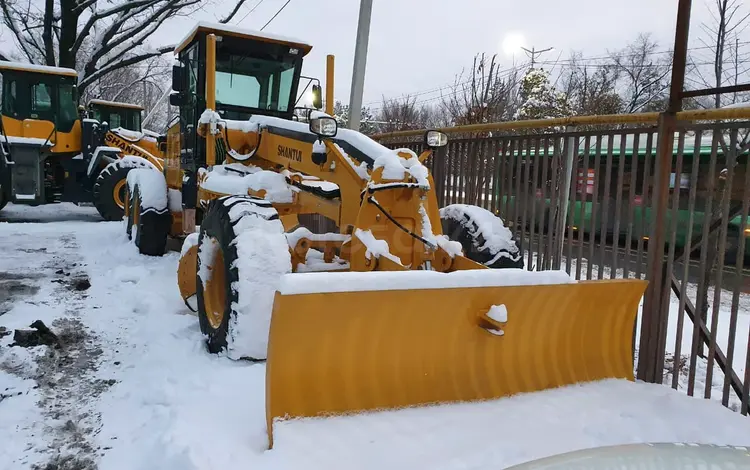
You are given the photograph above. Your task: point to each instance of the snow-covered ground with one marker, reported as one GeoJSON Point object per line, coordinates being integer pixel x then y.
{"type": "Point", "coordinates": [133, 387]}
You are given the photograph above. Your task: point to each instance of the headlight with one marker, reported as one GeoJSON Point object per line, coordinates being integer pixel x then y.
{"type": "Point", "coordinates": [324, 126]}
{"type": "Point", "coordinates": [747, 232]}
{"type": "Point", "coordinates": [435, 139]}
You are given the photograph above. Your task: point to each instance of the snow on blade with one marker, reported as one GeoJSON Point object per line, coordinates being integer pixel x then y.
{"type": "Point", "coordinates": [404, 280]}
{"type": "Point", "coordinates": [395, 167]}
{"type": "Point", "coordinates": [499, 313]}
{"type": "Point", "coordinates": [374, 246]}
{"type": "Point", "coordinates": [498, 239]}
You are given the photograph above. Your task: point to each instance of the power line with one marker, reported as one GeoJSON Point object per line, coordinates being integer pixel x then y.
{"type": "Point", "coordinates": [251, 10]}
{"type": "Point", "coordinates": [277, 14]}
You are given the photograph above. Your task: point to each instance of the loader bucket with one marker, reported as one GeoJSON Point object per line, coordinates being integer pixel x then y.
{"type": "Point", "coordinates": [352, 342]}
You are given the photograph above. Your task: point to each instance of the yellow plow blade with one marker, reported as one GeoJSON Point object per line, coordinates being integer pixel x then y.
{"type": "Point", "coordinates": [343, 352]}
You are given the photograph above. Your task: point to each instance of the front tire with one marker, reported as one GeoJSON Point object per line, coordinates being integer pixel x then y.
{"type": "Point", "coordinates": [110, 189]}
{"type": "Point", "coordinates": [482, 235]}
{"type": "Point", "coordinates": [150, 224]}
{"type": "Point", "coordinates": [220, 273]}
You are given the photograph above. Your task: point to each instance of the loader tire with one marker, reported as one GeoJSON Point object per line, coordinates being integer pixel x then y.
{"type": "Point", "coordinates": [216, 296]}
{"type": "Point", "coordinates": [151, 227]}
{"type": "Point", "coordinates": [460, 227]}
{"type": "Point", "coordinates": [110, 188]}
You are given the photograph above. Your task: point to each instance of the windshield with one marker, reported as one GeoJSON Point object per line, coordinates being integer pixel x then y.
{"type": "Point", "coordinates": [40, 96]}
{"type": "Point", "coordinates": [118, 117]}
{"type": "Point", "coordinates": [250, 82]}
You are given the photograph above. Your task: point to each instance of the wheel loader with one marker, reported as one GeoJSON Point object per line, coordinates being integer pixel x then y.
{"type": "Point", "coordinates": [405, 304]}
{"type": "Point", "coordinates": [52, 152]}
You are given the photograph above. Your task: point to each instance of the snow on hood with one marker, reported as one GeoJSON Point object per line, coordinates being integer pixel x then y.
{"type": "Point", "coordinates": [221, 179]}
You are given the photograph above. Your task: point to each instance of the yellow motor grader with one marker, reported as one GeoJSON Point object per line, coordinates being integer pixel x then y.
{"type": "Point", "coordinates": [52, 152]}
{"type": "Point", "coordinates": [406, 304]}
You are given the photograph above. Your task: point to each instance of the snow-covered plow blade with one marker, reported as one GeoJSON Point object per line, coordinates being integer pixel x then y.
{"type": "Point", "coordinates": [350, 342]}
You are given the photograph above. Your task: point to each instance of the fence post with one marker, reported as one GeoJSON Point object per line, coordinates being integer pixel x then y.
{"type": "Point", "coordinates": [564, 196]}
{"type": "Point", "coordinates": [655, 311]}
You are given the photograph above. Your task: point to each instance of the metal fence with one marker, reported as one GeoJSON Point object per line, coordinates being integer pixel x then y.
{"type": "Point", "coordinates": [583, 199]}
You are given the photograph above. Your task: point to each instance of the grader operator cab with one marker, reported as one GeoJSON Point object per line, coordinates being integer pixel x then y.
{"type": "Point", "coordinates": [51, 154]}
{"type": "Point", "coordinates": [407, 304]}
{"type": "Point", "coordinates": [116, 114]}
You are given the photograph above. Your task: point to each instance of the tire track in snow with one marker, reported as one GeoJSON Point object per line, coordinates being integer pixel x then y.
{"type": "Point", "coordinates": [45, 267]}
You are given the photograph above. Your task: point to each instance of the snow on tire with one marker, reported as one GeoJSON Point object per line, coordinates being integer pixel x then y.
{"type": "Point", "coordinates": [149, 220]}
{"type": "Point", "coordinates": [109, 188]}
{"type": "Point", "coordinates": [242, 256]}
{"type": "Point", "coordinates": [482, 234]}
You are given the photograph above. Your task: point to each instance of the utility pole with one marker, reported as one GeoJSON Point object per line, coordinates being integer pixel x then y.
{"type": "Point", "coordinates": [532, 53]}
{"type": "Point", "coordinates": [360, 62]}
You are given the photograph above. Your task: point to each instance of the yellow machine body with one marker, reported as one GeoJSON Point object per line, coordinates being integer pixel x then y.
{"type": "Point", "coordinates": [343, 351]}
{"type": "Point", "coordinates": [346, 352]}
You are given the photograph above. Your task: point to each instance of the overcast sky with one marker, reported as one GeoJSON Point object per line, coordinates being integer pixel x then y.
{"type": "Point", "coordinates": [420, 45]}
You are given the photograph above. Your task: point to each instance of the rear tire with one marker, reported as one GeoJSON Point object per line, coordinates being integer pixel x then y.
{"type": "Point", "coordinates": [218, 243]}
{"type": "Point", "coordinates": [459, 226]}
{"type": "Point", "coordinates": [110, 188]}
{"type": "Point", "coordinates": [151, 226]}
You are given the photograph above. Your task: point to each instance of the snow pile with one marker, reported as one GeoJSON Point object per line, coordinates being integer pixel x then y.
{"type": "Point", "coordinates": [131, 161]}
{"type": "Point", "coordinates": [319, 147]}
{"type": "Point", "coordinates": [262, 259]}
{"type": "Point", "coordinates": [299, 233]}
{"type": "Point", "coordinates": [27, 141]}
{"type": "Point", "coordinates": [152, 189]}
{"type": "Point", "coordinates": [451, 247]}
{"type": "Point", "coordinates": [374, 246]}
{"type": "Point", "coordinates": [207, 251]}
{"type": "Point", "coordinates": [220, 27]}
{"type": "Point", "coordinates": [401, 280]}
{"type": "Point", "coordinates": [311, 181]}
{"type": "Point", "coordinates": [395, 167]}
{"type": "Point", "coordinates": [498, 239]}
{"type": "Point", "coordinates": [224, 179]}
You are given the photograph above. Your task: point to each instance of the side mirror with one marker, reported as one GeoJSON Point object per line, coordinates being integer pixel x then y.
{"type": "Point", "coordinates": [324, 126]}
{"type": "Point", "coordinates": [317, 96]}
{"type": "Point", "coordinates": [178, 78]}
{"type": "Point", "coordinates": [435, 139]}
{"type": "Point", "coordinates": [178, 99]}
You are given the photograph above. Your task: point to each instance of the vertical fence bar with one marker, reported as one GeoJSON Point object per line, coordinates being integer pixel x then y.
{"type": "Point", "coordinates": [739, 268]}
{"type": "Point", "coordinates": [605, 210]}
{"type": "Point", "coordinates": [672, 229]}
{"type": "Point", "coordinates": [497, 174]}
{"type": "Point", "coordinates": [703, 279]}
{"type": "Point", "coordinates": [644, 218]}
{"type": "Point", "coordinates": [631, 201]}
{"type": "Point", "coordinates": [584, 200]}
{"type": "Point", "coordinates": [594, 209]}
{"type": "Point", "coordinates": [531, 194]}
{"type": "Point", "coordinates": [543, 228]}
{"type": "Point", "coordinates": [572, 188]}
{"type": "Point", "coordinates": [517, 190]}
{"type": "Point", "coordinates": [692, 193]}
{"type": "Point", "coordinates": [730, 157]}
{"type": "Point", "coordinates": [511, 159]}
{"type": "Point", "coordinates": [555, 234]}
{"type": "Point", "coordinates": [618, 207]}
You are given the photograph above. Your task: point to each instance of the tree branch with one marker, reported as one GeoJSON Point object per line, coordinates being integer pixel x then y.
{"type": "Point", "coordinates": [233, 13]}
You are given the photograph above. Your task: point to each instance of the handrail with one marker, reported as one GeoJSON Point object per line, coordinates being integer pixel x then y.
{"type": "Point", "coordinates": [635, 118]}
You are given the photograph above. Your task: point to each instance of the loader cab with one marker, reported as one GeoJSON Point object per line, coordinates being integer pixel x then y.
{"type": "Point", "coordinates": [116, 114]}
{"type": "Point", "coordinates": [255, 74]}
{"type": "Point", "coordinates": [39, 102]}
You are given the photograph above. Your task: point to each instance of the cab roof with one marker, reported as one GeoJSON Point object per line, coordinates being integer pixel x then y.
{"type": "Point", "coordinates": [229, 30]}
{"type": "Point", "coordinates": [34, 68]}
{"type": "Point", "coordinates": [116, 104]}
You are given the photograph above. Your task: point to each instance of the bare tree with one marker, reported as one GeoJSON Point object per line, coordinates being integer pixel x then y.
{"type": "Point", "coordinates": [96, 37]}
{"type": "Point", "coordinates": [643, 75]}
{"type": "Point", "coordinates": [405, 113]}
{"type": "Point", "coordinates": [591, 89]}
